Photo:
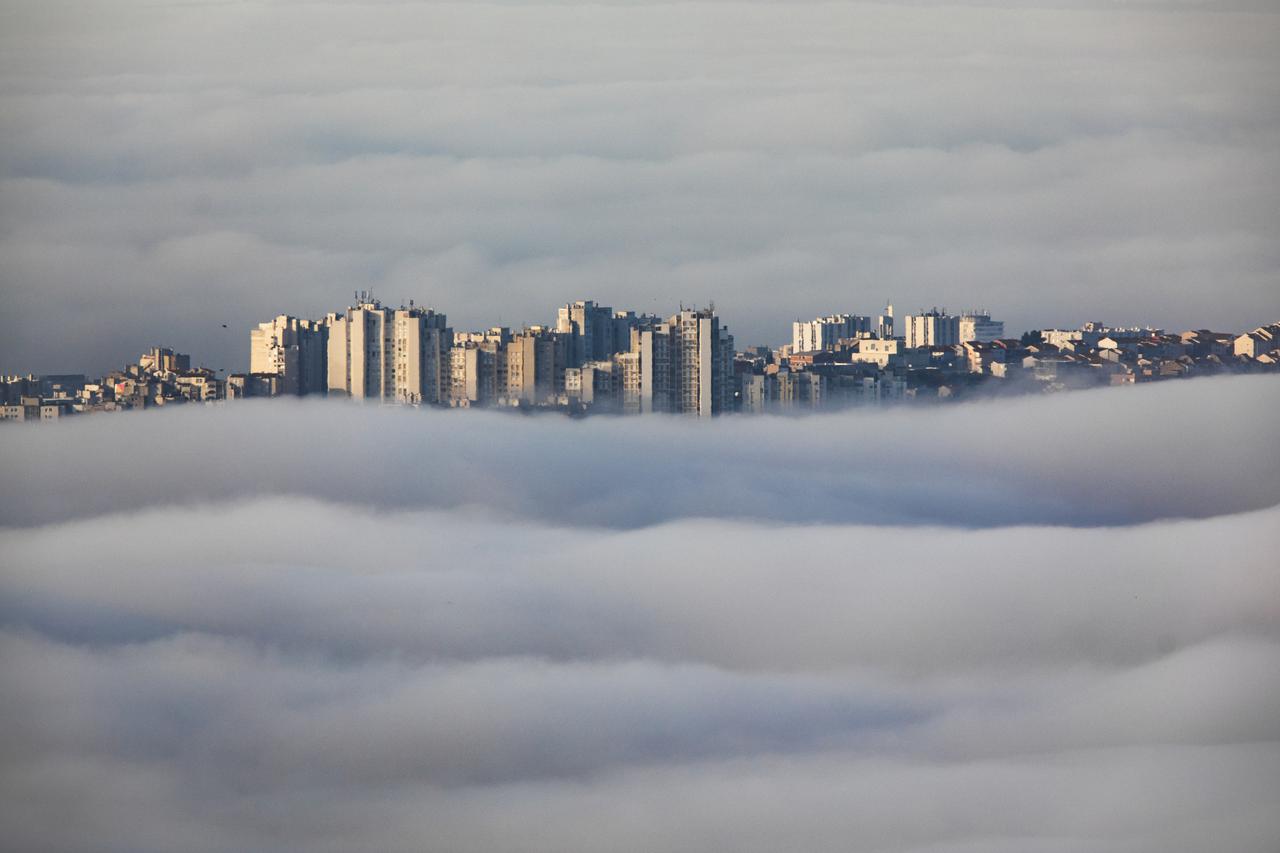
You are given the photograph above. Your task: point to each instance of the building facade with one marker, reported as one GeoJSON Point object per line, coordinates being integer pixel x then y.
{"type": "Point", "coordinates": [684, 366]}
{"type": "Point", "coordinates": [932, 328]}
{"type": "Point", "coordinates": [475, 374]}
{"type": "Point", "coordinates": [296, 350]}
{"type": "Point", "coordinates": [646, 373]}
{"type": "Point", "coordinates": [824, 333]}
{"type": "Point", "coordinates": [590, 331]}
{"type": "Point", "coordinates": [390, 355]}
{"type": "Point", "coordinates": [533, 364]}
{"type": "Point", "coordinates": [978, 326]}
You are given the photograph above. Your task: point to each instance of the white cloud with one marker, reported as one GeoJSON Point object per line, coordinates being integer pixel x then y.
{"type": "Point", "coordinates": [333, 627]}
{"type": "Point", "coordinates": [278, 675]}
{"type": "Point", "coordinates": [1086, 458]}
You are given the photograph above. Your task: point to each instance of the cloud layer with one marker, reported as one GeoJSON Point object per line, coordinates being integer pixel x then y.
{"type": "Point", "coordinates": [334, 627]}
{"type": "Point", "coordinates": [475, 687]}
{"type": "Point", "coordinates": [1110, 456]}
{"type": "Point", "coordinates": [167, 168]}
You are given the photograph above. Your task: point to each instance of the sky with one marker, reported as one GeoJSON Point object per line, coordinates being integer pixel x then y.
{"type": "Point", "coordinates": [167, 168]}
{"type": "Point", "coordinates": [1042, 623]}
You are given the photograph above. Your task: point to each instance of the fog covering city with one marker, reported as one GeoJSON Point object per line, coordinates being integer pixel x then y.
{"type": "Point", "coordinates": [1046, 623]}
{"type": "Point", "coordinates": [1034, 624]}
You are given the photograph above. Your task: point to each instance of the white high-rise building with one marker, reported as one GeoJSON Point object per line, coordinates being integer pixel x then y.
{"type": "Point", "coordinates": [702, 361]}
{"type": "Point", "coordinates": [931, 329]}
{"type": "Point", "coordinates": [684, 365]}
{"type": "Point", "coordinates": [824, 333]}
{"type": "Point", "coordinates": [590, 330]}
{"type": "Point", "coordinates": [474, 373]}
{"type": "Point", "coordinates": [295, 350]}
{"type": "Point", "coordinates": [646, 371]}
{"type": "Point", "coordinates": [978, 326]}
{"type": "Point", "coordinates": [533, 364]}
{"type": "Point", "coordinates": [386, 354]}
{"type": "Point", "coordinates": [884, 328]}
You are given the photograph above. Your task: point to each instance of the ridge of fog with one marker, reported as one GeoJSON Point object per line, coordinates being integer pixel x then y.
{"type": "Point", "coordinates": [442, 586]}
{"type": "Point", "coordinates": [1193, 448]}
{"type": "Point", "coordinates": [278, 674]}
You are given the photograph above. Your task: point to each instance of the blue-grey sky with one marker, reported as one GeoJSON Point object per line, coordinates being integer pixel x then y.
{"type": "Point", "coordinates": [169, 167]}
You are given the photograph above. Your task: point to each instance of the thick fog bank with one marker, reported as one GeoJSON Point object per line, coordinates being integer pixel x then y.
{"type": "Point", "coordinates": [277, 674]}
{"type": "Point", "coordinates": [443, 585]}
{"type": "Point", "coordinates": [321, 626]}
{"type": "Point", "coordinates": [1106, 457]}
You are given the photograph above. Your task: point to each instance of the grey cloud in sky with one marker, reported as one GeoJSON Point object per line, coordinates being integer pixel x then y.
{"type": "Point", "coordinates": [168, 168]}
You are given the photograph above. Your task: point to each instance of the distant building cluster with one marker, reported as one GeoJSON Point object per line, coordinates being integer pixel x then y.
{"type": "Point", "coordinates": [596, 359]}
{"type": "Point", "coordinates": [159, 377]}
{"type": "Point", "coordinates": [593, 358]}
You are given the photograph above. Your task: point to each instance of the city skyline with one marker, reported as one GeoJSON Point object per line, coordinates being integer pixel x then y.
{"type": "Point", "coordinates": [598, 360]}
{"type": "Point", "coordinates": [241, 360]}
{"type": "Point", "coordinates": [235, 358]}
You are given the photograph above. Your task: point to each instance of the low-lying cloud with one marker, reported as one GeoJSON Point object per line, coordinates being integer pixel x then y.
{"type": "Point", "coordinates": [325, 626]}
{"type": "Point", "coordinates": [1112, 456]}
{"type": "Point", "coordinates": [432, 680]}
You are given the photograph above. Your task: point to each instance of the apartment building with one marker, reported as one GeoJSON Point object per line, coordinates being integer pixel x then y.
{"type": "Point", "coordinates": [294, 349]}
{"type": "Point", "coordinates": [823, 333]}
{"type": "Point", "coordinates": [391, 355]}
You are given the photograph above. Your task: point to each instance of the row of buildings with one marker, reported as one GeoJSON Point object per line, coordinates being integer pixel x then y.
{"type": "Point", "coordinates": [865, 369]}
{"type": "Point", "coordinates": [600, 360]}
{"type": "Point", "coordinates": [595, 359]}
{"type": "Point", "coordinates": [159, 377]}
{"type": "Point", "coordinates": [924, 329]}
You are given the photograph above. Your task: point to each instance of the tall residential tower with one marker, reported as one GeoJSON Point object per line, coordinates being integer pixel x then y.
{"type": "Point", "coordinates": [295, 350]}
{"type": "Point", "coordinates": [386, 354]}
